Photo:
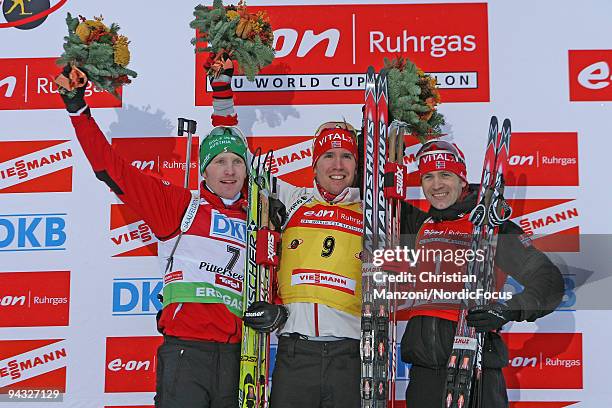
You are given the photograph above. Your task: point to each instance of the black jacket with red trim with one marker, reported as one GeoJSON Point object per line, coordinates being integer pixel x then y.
{"type": "Point", "coordinates": [428, 340]}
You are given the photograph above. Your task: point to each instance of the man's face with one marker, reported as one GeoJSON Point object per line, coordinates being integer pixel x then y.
{"type": "Point", "coordinates": [335, 170]}
{"type": "Point", "coordinates": [225, 175]}
{"type": "Point", "coordinates": [442, 188]}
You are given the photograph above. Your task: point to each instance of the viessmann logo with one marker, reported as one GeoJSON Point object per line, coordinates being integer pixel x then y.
{"type": "Point", "coordinates": [544, 360]}
{"type": "Point", "coordinates": [292, 157]}
{"type": "Point", "coordinates": [590, 75]}
{"type": "Point", "coordinates": [36, 166]}
{"type": "Point", "coordinates": [131, 363]}
{"type": "Point", "coordinates": [129, 234]}
{"type": "Point", "coordinates": [29, 299]}
{"type": "Point", "coordinates": [552, 224]}
{"type": "Point", "coordinates": [27, 83]}
{"type": "Point", "coordinates": [327, 48]}
{"type": "Point", "coordinates": [43, 362]}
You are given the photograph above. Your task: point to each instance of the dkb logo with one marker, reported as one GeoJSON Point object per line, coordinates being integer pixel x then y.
{"type": "Point", "coordinates": [136, 296]}
{"type": "Point", "coordinates": [32, 232]}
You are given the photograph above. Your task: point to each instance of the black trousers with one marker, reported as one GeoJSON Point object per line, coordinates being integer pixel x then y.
{"type": "Point", "coordinates": [197, 374]}
{"type": "Point", "coordinates": [315, 374]}
{"type": "Point", "coordinates": [426, 388]}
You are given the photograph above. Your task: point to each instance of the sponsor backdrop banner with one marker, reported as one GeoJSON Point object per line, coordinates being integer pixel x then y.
{"type": "Point", "coordinates": [79, 277]}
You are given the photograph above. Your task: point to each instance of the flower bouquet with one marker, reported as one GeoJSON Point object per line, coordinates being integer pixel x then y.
{"type": "Point", "coordinates": [413, 98]}
{"type": "Point", "coordinates": [235, 32]}
{"type": "Point", "coordinates": [94, 52]}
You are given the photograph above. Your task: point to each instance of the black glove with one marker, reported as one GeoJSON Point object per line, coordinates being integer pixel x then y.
{"type": "Point", "coordinates": [265, 317]}
{"type": "Point", "coordinates": [77, 101]}
{"type": "Point", "coordinates": [278, 212]}
{"type": "Point", "coordinates": [490, 317]}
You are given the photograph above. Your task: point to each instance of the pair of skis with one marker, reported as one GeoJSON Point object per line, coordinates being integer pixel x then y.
{"type": "Point", "coordinates": [464, 369]}
{"type": "Point", "coordinates": [255, 346]}
{"type": "Point", "coordinates": [383, 174]}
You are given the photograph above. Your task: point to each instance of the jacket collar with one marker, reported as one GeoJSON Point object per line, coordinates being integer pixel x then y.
{"type": "Point", "coordinates": [217, 202]}
{"type": "Point", "coordinates": [350, 195]}
{"type": "Point", "coordinates": [457, 210]}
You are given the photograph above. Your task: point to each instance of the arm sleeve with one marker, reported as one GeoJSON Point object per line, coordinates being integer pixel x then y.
{"type": "Point", "coordinates": [158, 202]}
{"type": "Point", "coordinates": [541, 279]}
{"type": "Point", "coordinates": [223, 100]}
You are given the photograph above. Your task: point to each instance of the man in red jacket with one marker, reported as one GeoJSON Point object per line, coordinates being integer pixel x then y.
{"type": "Point", "coordinates": [202, 251]}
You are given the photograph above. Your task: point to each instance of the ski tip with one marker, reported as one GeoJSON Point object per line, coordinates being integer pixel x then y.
{"type": "Point", "coordinates": [507, 124]}
{"type": "Point", "coordinates": [493, 123]}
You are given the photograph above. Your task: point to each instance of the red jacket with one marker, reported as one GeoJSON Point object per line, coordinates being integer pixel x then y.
{"type": "Point", "coordinates": [162, 206]}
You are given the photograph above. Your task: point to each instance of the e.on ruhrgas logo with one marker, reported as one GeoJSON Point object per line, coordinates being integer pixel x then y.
{"type": "Point", "coordinates": [36, 166]}
{"type": "Point", "coordinates": [26, 15]}
{"type": "Point", "coordinates": [27, 83]}
{"type": "Point", "coordinates": [161, 156]}
{"type": "Point", "coordinates": [131, 363]}
{"type": "Point", "coordinates": [544, 360]}
{"type": "Point", "coordinates": [327, 49]}
{"type": "Point", "coordinates": [29, 299]}
{"type": "Point", "coordinates": [33, 364]}
{"type": "Point", "coordinates": [292, 157]}
{"type": "Point", "coordinates": [590, 75]}
{"type": "Point", "coordinates": [552, 224]}
{"type": "Point", "coordinates": [534, 156]}
{"type": "Point", "coordinates": [129, 234]}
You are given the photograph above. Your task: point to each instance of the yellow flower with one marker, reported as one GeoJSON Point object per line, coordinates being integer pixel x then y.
{"type": "Point", "coordinates": [83, 31]}
{"type": "Point", "coordinates": [122, 53]}
{"type": "Point", "coordinates": [84, 28]}
{"type": "Point", "coordinates": [232, 15]}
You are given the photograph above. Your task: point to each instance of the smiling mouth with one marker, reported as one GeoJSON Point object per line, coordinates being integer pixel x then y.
{"type": "Point", "coordinates": [337, 177]}
{"type": "Point", "coordinates": [228, 181]}
{"type": "Point", "coordinates": [439, 195]}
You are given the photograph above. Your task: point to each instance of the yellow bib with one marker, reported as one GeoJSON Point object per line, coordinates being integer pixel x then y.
{"type": "Point", "coordinates": [320, 257]}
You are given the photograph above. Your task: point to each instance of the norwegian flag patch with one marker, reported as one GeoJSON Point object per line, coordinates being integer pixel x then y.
{"type": "Point", "coordinates": [440, 165]}
{"type": "Point", "coordinates": [336, 144]}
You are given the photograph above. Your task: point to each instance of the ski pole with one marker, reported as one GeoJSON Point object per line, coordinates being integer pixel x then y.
{"type": "Point", "coordinates": [189, 126]}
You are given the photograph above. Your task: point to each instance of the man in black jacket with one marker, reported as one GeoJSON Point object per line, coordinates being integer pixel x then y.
{"type": "Point", "coordinates": [428, 339]}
